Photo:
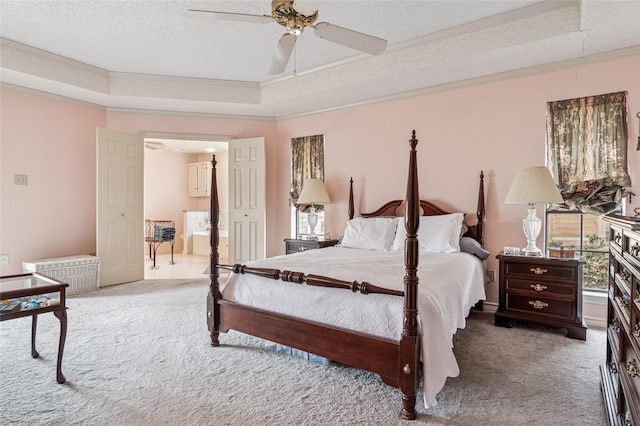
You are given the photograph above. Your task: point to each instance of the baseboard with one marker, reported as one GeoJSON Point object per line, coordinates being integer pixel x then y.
{"type": "Point", "coordinates": [593, 322]}
{"type": "Point", "coordinates": [596, 322]}
{"type": "Point", "coordinates": [490, 307]}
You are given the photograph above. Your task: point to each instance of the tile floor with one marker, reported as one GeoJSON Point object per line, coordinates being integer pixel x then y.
{"type": "Point", "coordinates": [186, 266]}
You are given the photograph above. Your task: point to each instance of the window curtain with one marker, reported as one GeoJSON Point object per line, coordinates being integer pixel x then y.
{"type": "Point", "coordinates": [587, 152]}
{"type": "Point", "coordinates": [307, 162]}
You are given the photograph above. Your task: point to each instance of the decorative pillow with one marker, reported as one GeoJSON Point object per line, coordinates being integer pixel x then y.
{"type": "Point", "coordinates": [375, 233]}
{"type": "Point", "coordinates": [436, 234]}
{"type": "Point", "coordinates": [471, 246]}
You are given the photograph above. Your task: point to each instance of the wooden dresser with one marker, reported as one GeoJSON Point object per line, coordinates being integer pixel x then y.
{"type": "Point", "coordinates": [541, 290]}
{"type": "Point", "coordinates": [621, 373]}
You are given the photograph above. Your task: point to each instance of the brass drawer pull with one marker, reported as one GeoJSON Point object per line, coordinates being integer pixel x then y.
{"type": "Point", "coordinates": [635, 249]}
{"type": "Point", "coordinates": [538, 287]}
{"type": "Point", "coordinates": [538, 271]}
{"type": "Point", "coordinates": [538, 304]}
{"type": "Point", "coordinates": [636, 330]}
{"type": "Point", "coordinates": [622, 302]}
{"type": "Point", "coordinates": [615, 324]}
{"type": "Point", "coordinates": [617, 238]}
{"type": "Point", "coordinates": [632, 368]}
{"type": "Point", "coordinates": [301, 248]}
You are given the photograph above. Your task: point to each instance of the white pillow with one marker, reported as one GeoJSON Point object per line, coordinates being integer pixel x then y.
{"type": "Point", "coordinates": [375, 233]}
{"type": "Point", "coordinates": [436, 234]}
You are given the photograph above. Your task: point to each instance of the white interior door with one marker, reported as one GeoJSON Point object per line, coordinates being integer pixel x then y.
{"type": "Point", "coordinates": [120, 207]}
{"type": "Point", "coordinates": [247, 200]}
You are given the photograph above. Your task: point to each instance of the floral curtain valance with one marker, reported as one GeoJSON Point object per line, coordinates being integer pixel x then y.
{"type": "Point", "coordinates": [587, 151]}
{"type": "Point", "coordinates": [307, 162]}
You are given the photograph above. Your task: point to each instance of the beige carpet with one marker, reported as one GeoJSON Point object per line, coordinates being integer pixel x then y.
{"type": "Point", "coordinates": [139, 354]}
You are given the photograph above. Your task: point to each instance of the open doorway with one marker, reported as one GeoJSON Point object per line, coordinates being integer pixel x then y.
{"type": "Point", "coordinates": [177, 177]}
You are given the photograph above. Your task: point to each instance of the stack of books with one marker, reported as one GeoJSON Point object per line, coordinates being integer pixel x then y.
{"type": "Point", "coordinates": [10, 305]}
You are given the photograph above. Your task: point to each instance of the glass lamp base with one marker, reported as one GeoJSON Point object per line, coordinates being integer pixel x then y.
{"type": "Point", "coordinates": [528, 252]}
{"type": "Point", "coordinates": [313, 221]}
{"type": "Point", "coordinates": [531, 228]}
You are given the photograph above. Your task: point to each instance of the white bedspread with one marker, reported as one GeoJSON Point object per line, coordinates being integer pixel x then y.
{"type": "Point", "coordinates": [449, 285]}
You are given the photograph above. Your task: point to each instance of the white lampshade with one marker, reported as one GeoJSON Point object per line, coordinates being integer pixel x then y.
{"type": "Point", "coordinates": [533, 185]}
{"type": "Point", "coordinates": [313, 192]}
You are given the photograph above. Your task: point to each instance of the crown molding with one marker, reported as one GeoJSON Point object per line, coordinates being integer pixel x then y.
{"type": "Point", "coordinates": [490, 22]}
{"type": "Point", "coordinates": [492, 78]}
{"type": "Point", "coordinates": [47, 95]}
{"type": "Point", "coordinates": [185, 136]}
{"type": "Point", "coordinates": [191, 114]}
{"type": "Point", "coordinates": [185, 80]}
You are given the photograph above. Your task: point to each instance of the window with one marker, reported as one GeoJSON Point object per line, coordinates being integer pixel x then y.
{"type": "Point", "coordinates": [585, 233]}
{"type": "Point", "coordinates": [586, 143]}
{"type": "Point", "coordinates": [307, 162]}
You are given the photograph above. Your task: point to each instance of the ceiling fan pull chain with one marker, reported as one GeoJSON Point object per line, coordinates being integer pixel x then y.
{"type": "Point", "coordinates": [295, 62]}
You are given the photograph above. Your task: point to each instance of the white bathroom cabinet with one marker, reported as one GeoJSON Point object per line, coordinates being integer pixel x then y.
{"type": "Point", "coordinates": [199, 177]}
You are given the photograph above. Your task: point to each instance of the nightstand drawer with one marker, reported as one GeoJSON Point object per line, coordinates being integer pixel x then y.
{"type": "Point", "coordinates": [541, 287]}
{"type": "Point", "coordinates": [297, 246]}
{"type": "Point", "coordinates": [542, 271]}
{"type": "Point", "coordinates": [541, 290]}
{"type": "Point", "coordinates": [541, 306]}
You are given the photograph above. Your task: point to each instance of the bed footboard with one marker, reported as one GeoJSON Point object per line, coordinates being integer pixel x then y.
{"type": "Point", "coordinates": [397, 362]}
{"type": "Point", "coordinates": [310, 279]}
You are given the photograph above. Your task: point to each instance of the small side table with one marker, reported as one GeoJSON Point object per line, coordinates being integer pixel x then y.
{"type": "Point", "coordinates": [31, 286]}
{"type": "Point", "coordinates": [541, 290]}
{"type": "Point", "coordinates": [296, 246]}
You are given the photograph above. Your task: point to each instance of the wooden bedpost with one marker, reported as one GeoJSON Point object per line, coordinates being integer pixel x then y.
{"type": "Point", "coordinates": [480, 226]}
{"type": "Point", "coordinates": [213, 313]}
{"type": "Point", "coordinates": [351, 206]}
{"type": "Point", "coordinates": [409, 366]}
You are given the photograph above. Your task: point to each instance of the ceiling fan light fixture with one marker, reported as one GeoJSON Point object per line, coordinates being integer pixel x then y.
{"type": "Point", "coordinates": [284, 14]}
{"type": "Point", "coordinates": [295, 25]}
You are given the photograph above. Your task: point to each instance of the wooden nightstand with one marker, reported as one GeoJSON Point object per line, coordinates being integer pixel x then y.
{"type": "Point", "coordinates": [296, 246]}
{"type": "Point", "coordinates": [541, 290]}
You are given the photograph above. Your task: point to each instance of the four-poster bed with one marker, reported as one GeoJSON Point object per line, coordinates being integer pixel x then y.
{"type": "Point", "coordinates": [394, 354]}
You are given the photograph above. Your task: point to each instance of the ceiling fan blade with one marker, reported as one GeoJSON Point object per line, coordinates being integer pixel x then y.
{"type": "Point", "coordinates": [305, 7]}
{"type": "Point", "coordinates": [281, 55]}
{"type": "Point", "coordinates": [227, 16]}
{"type": "Point", "coordinates": [353, 39]}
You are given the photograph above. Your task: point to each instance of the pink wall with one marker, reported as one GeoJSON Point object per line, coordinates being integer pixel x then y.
{"type": "Point", "coordinates": [54, 144]}
{"type": "Point", "coordinates": [497, 127]}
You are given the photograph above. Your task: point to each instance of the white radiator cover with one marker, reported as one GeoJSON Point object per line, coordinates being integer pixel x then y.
{"type": "Point", "coordinates": [81, 272]}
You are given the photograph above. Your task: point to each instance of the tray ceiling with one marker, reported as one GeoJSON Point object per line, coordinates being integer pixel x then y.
{"type": "Point", "coordinates": [151, 55]}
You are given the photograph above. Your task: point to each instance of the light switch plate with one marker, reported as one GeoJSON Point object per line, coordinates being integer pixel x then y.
{"type": "Point", "coordinates": [20, 180]}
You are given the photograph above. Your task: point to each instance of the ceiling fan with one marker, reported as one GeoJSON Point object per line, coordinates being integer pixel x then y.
{"type": "Point", "coordinates": [295, 16]}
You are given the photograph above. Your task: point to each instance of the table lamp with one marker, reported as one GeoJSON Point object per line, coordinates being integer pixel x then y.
{"type": "Point", "coordinates": [531, 186]}
{"type": "Point", "coordinates": [313, 193]}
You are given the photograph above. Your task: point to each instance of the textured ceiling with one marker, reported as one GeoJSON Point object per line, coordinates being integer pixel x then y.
{"type": "Point", "coordinates": [150, 55]}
